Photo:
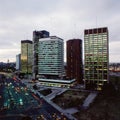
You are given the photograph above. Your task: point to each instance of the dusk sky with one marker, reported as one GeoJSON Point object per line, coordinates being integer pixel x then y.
{"type": "Point", "coordinates": [66, 19]}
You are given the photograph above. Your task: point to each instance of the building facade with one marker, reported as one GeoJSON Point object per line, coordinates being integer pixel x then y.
{"type": "Point", "coordinates": [74, 60]}
{"type": "Point", "coordinates": [18, 62]}
{"type": "Point", "coordinates": [51, 57]}
{"type": "Point", "coordinates": [96, 51]}
{"type": "Point", "coordinates": [36, 36]}
{"type": "Point", "coordinates": [26, 56]}
{"type": "Point", "coordinates": [57, 83]}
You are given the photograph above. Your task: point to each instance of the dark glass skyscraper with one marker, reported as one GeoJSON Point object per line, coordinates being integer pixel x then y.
{"type": "Point", "coordinates": [96, 57]}
{"type": "Point", "coordinates": [74, 60]}
{"type": "Point", "coordinates": [36, 36]}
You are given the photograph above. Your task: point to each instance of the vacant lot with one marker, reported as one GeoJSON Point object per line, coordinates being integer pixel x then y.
{"type": "Point", "coordinates": [70, 99]}
{"type": "Point", "coordinates": [46, 92]}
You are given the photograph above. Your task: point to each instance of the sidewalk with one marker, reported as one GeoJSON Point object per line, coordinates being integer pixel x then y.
{"type": "Point", "coordinates": [89, 99]}
{"type": "Point", "coordinates": [71, 110]}
{"type": "Point", "coordinates": [67, 112]}
{"type": "Point", "coordinates": [54, 93]}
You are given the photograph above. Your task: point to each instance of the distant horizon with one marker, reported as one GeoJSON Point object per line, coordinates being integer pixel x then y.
{"type": "Point", "coordinates": [64, 62]}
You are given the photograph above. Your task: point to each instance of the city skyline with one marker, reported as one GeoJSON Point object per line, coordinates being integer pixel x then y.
{"type": "Point", "coordinates": [66, 19]}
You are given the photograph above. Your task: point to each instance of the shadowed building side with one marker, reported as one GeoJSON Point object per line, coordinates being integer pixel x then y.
{"type": "Point", "coordinates": [37, 35]}
{"type": "Point", "coordinates": [74, 60]}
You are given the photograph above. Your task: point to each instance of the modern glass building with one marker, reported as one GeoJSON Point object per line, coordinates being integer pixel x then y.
{"type": "Point", "coordinates": [51, 57]}
{"type": "Point", "coordinates": [36, 37]}
{"type": "Point", "coordinates": [74, 60]}
{"type": "Point", "coordinates": [26, 56]}
{"type": "Point", "coordinates": [96, 51]}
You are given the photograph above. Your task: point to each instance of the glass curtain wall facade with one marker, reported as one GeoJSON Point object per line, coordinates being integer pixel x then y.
{"type": "Point", "coordinates": [36, 36]}
{"type": "Point", "coordinates": [26, 56]}
{"type": "Point", "coordinates": [96, 57]}
{"type": "Point", "coordinates": [50, 57]}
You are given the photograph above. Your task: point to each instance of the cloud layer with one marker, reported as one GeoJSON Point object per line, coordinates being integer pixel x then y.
{"type": "Point", "coordinates": [65, 18]}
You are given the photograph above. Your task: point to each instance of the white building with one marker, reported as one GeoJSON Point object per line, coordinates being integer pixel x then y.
{"type": "Point", "coordinates": [51, 57]}
{"type": "Point", "coordinates": [18, 62]}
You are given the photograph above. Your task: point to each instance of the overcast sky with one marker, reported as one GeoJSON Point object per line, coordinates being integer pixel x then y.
{"type": "Point", "coordinates": [64, 18]}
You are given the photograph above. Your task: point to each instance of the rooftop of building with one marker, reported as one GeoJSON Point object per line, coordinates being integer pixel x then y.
{"type": "Point", "coordinates": [26, 41]}
{"type": "Point", "coordinates": [74, 40]}
{"type": "Point", "coordinates": [96, 30]}
{"type": "Point", "coordinates": [51, 38]}
{"type": "Point", "coordinates": [57, 80]}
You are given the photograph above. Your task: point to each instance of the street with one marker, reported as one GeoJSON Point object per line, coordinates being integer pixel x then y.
{"type": "Point", "coordinates": [17, 100]}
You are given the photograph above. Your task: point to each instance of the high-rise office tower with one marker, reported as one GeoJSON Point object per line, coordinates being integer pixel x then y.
{"type": "Point", "coordinates": [36, 36]}
{"type": "Point", "coordinates": [26, 56]}
{"type": "Point", "coordinates": [96, 51]}
{"type": "Point", "coordinates": [51, 57]}
{"type": "Point", "coordinates": [74, 60]}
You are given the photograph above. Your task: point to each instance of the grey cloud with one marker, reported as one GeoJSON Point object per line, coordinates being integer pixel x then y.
{"type": "Point", "coordinates": [16, 8]}
{"type": "Point", "coordinates": [64, 18]}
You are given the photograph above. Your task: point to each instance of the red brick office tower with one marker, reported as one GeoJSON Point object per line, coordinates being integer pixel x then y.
{"type": "Point", "coordinates": [74, 60]}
